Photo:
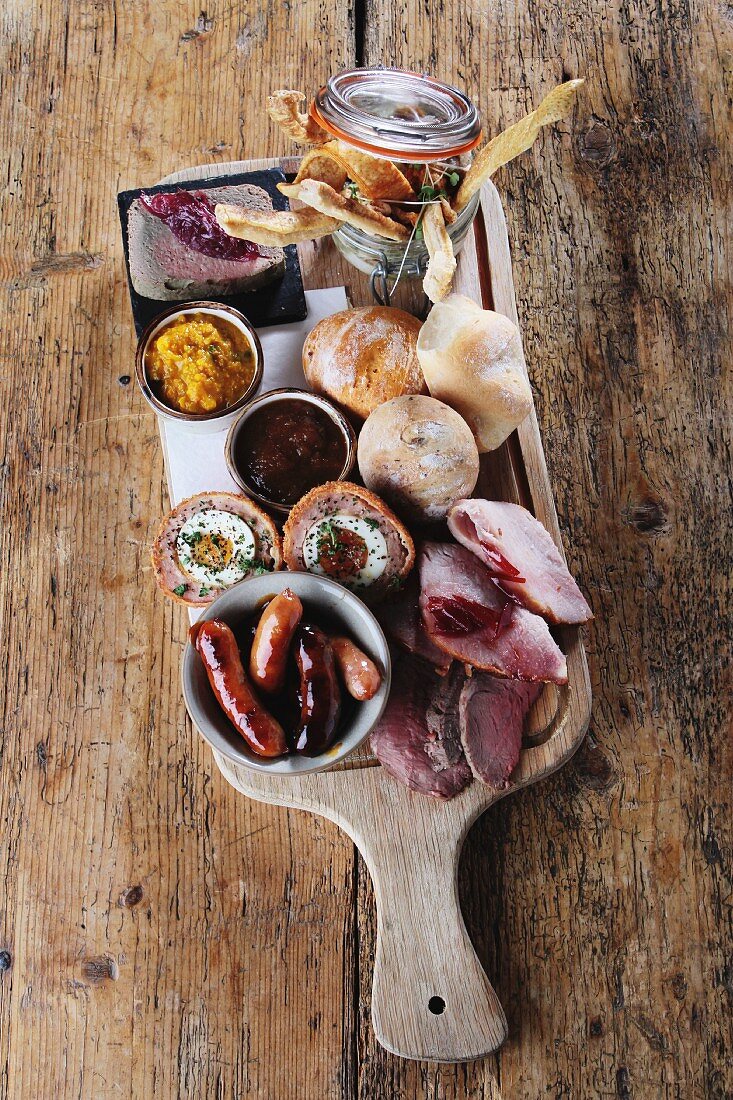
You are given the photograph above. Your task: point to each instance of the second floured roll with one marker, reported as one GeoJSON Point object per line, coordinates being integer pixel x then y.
{"type": "Point", "coordinates": [472, 359]}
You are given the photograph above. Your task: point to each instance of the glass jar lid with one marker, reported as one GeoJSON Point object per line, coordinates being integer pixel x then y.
{"type": "Point", "coordinates": [397, 115]}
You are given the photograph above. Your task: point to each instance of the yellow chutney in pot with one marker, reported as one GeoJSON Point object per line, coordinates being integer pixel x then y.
{"type": "Point", "coordinates": [199, 363]}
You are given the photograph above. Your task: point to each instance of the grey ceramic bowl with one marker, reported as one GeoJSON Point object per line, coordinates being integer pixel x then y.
{"type": "Point", "coordinates": [328, 603]}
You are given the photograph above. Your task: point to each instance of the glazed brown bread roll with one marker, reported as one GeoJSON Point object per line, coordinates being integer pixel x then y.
{"type": "Point", "coordinates": [419, 455]}
{"type": "Point", "coordinates": [363, 357]}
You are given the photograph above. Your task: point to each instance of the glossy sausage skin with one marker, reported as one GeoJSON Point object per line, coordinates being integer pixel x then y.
{"type": "Point", "coordinates": [218, 649]}
{"type": "Point", "coordinates": [271, 646]}
{"type": "Point", "coordinates": [360, 675]}
{"type": "Point", "coordinates": [320, 694]}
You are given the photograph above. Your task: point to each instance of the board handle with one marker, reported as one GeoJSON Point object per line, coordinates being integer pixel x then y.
{"type": "Point", "coordinates": [431, 999]}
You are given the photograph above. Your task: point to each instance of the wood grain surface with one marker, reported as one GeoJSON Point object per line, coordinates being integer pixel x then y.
{"type": "Point", "coordinates": [158, 932]}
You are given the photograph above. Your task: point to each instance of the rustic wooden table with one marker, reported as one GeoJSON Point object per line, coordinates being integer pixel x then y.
{"type": "Point", "coordinates": [160, 934]}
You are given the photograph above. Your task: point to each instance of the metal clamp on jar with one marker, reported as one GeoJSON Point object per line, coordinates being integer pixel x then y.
{"type": "Point", "coordinates": [428, 130]}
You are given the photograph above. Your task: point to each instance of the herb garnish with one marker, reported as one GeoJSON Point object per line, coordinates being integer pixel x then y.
{"type": "Point", "coordinates": [328, 538]}
{"type": "Point", "coordinates": [427, 193]}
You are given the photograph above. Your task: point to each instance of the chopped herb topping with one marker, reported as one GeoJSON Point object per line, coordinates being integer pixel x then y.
{"type": "Point", "coordinates": [179, 589]}
{"type": "Point", "coordinates": [328, 538]}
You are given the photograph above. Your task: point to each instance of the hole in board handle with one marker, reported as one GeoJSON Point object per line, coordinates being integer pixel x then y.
{"type": "Point", "coordinates": [436, 1005]}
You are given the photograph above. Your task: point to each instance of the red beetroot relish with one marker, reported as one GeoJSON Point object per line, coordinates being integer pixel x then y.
{"type": "Point", "coordinates": [501, 569]}
{"type": "Point", "coordinates": [190, 217]}
{"type": "Point", "coordinates": [457, 616]}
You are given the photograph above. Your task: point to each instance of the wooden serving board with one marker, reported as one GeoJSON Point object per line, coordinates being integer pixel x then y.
{"type": "Point", "coordinates": [431, 998]}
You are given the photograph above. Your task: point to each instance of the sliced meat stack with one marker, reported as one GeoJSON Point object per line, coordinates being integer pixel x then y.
{"type": "Point", "coordinates": [474, 619]}
{"type": "Point", "coordinates": [522, 557]}
{"type": "Point", "coordinates": [437, 733]}
{"type": "Point", "coordinates": [467, 616]}
{"type": "Point", "coordinates": [417, 739]}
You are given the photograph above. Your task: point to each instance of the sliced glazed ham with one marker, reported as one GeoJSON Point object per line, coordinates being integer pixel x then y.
{"type": "Point", "coordinates": [521, 555]}
{"type": "Point", "coordinates": [491, 715]}
{"type": "Point", "coordinates": [417, 739]}
{"type": "Point", "coordinates": [399, 617]}
{"type": "Point", "coordinates": [513, 642]}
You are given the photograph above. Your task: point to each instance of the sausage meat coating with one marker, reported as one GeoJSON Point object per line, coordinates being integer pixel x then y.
{"type": "Point", "coordinates": [219, 652]}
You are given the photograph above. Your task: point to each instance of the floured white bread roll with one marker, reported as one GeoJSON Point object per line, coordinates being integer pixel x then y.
{"type": "Point", "coordinates": [419, 455]}
{"type": "Point", "coordinates": [472, 359]}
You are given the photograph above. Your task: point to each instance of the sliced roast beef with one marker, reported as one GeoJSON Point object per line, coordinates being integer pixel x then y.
{"type": "Point", "coordinates": [417, 739]}
{"type": "Point", "coordinates": [520, 554]}
{"type": "Point", "coordinates": [466, 615]}
{"type": "Point", "coordinates": [180, 260]}
{"type": "Point", "coordinates": [400, 619]}
{"type": "Point", "coordinates": [492, 713]}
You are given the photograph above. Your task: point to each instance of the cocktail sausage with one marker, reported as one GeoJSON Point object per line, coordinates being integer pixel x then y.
{"type": "Point", "coordinates": [320, 695]}
{"type": "Point", "coordinates": [218, 649]}
{"type": "Point", "coordinates": [360, 675]}
{"type": "Point", "coordinates": [271, 645]}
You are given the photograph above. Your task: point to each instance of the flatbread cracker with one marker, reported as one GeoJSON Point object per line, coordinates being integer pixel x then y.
{"type": "Point", "coordinates": [442, 265]}
{"type": "Point", "coordinates": [324, 164]}
{"type": "Point", "coordinates": [376, 178]}
{"type": "Point", "coordinates": [329, 202]}
{"type": "Point", "coordinates": [516, 139]}
{"type": "Point", "coordinates": [273, 227]}
{"type": "Point", "coordinates": [449, 214]}
{"type": "Point", "coordinates": [283, 107]}
{"type": "Point", "coordinates": [292, 190]}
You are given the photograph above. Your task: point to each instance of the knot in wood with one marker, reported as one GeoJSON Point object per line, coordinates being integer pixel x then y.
{"type": "Point", "coordinates": [6, 961]}
{"type": "Point", "coordinates": [131, 897]}
{"type": "Point", "coordinates": [593, 768]}
{"type": "Point", "coordinates": [100, 968]}
{"type": "Point", "coordinates": [596, 145]}
{"type": "Point", "coordinates": [648, 516]}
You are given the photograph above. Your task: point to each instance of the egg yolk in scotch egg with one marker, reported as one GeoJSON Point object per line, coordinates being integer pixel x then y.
{"type": "Point", "coordinates": [216, 549]}
{"type": "Point", "coordinates": [350, 549]}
